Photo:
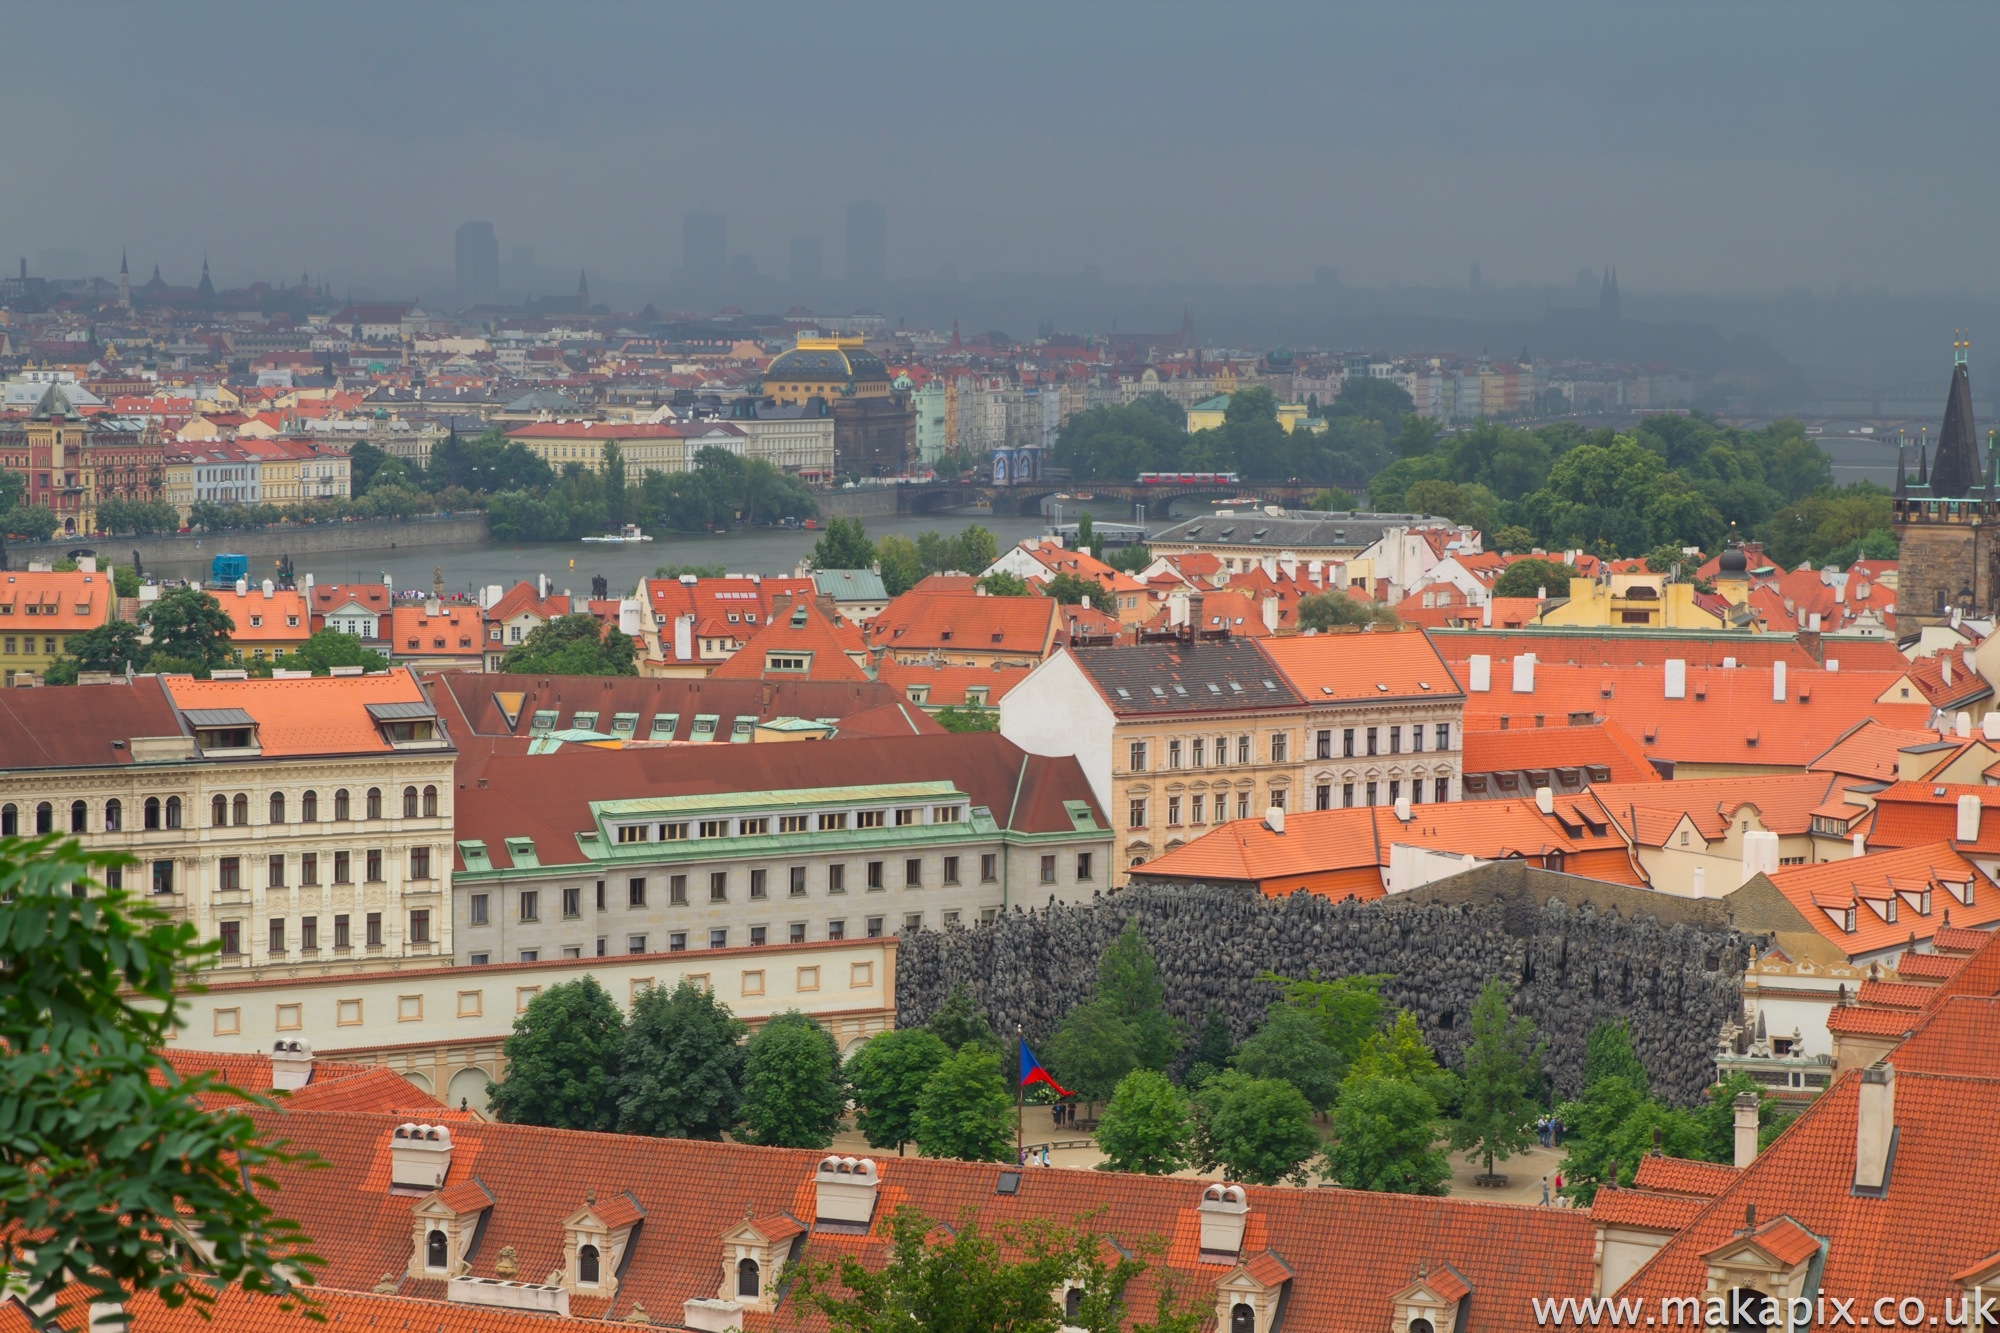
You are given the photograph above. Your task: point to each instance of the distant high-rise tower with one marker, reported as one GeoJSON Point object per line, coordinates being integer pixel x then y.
{"type": "Point", "coordinates": [124, 282]}
{"type": "Point", "coordinates": [1607, 297]}
{"type": "Point", "coordinates": [704, 247]}
{"type": "Point", "coordinates": [478, 264]}
{"type": "Point", "coordinates": [805, 265]}
{"type": "Point", "coordinates": [867, 243]}
{"type": "Point", "coordinates": [205, 289]}
{"type": "Point", "coordinates": [582, 293]}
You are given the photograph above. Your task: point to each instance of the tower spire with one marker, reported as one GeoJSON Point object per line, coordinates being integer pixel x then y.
{"type": "Point", "coordinates": [1958, 472]}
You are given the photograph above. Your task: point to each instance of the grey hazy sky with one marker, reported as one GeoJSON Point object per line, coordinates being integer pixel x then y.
{"type": "Point", "coordinates": [1711, 148]}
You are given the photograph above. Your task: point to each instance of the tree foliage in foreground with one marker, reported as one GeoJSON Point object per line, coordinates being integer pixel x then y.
{"type": "Point", "coordinates": [562, 1060]}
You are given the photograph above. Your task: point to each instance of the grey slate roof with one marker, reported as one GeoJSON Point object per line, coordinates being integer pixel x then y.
{"type": "Point", "coordinates": [851, 585]}
{"type": "Point", "coordinates": [1208, 677]}
{"type": "Point", "coordinates": [1293, 530]}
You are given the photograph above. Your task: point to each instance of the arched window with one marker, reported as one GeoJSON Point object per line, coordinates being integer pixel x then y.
{"type": "Point", "coordinates": [586, 1265]}
{"type": "Point", "coordinates": [309, 807]}
{"type": "Point", "coordinates": [173, 812]}
{"type": "Point", "coordinates": [10, 820]}
{"type": "Point", "coordinates": [1746, 1305]}
{"type": "Point", "coordinates": [45, 818]}
{"type": "Point", "coordinates": [79, 817]}
{"type": "Point", "coordinates": [218, 810]}
{"type": "Point", "coordinates": [277, 807]}
{"type": "Point", "coordinates": [1242, 1319]}
{"type": "Point", "coordinates": [1421, 1325]}
{"type": "Point", "coordinates": [747, 1278]}
{"type": "Point", "coordinates": [409, 802]}
{"type": "Point", "coordinates": [1073, 1304]}
{"type": "Point", "coordinates": [152, 812]}
{"type": "Point", "coordinates": [242, 812]}
{"type": "Point", "coordinates": [430, 802]}
{"type": "Point", "coordinates": [435, 1255]}
{"type": "Point", "coordinates": [114, 815]}
{"type": "Point", "coordinates": [374, 803]}
{"type": "Point", "coordinates": [340, 810]}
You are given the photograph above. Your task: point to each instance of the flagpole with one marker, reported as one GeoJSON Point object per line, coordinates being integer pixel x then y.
{"type": "Point", "coordinates": [1020, 1093]}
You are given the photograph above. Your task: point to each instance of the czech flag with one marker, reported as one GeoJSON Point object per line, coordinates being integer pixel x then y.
{"type": "Point", "coordinates": [1032, 1072]}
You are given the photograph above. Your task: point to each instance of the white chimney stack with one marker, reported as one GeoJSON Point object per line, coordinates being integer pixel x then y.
{"type": "Point", "coordinates": [1875, 1127]}
{"type": "Point", "coordinates": [1403, 809]}
{"type": "Point", "coordinates": [1524, 673]}
{"type": "Point", "coordinates": [270, 589]}
{"type": "Point", "coordinates": [1700, 882]}
{"type": "Point", "coordinates": [1989, 726]}
{"type": "Point", "coordinates": [1745, 1109]}
{"type": "Point", "coordinates": [1481, 672]}
{"type": "Point", "coordinates": [1944, 667]}
{"type": "Point", "coordinates": [291, 1065]}
{"type": "Point", "coordinates": [1961, 726]}
{"type": "Point", "coordinates": [1274, 819]}
{"type": "Point", "coordinates": [1760, 854]}
{"type": "Point", "coordinates": [419, 1156]}
{"type": "Point", "coordinates": [1861, 844]}
{"type": "Point", "coordinates": [1812, 622]}
{"type": "Point", "coordinates": [1777, 682]}
{"type": "Point", "coordinates": [844, 1190]}
{"type": "Point", "coordinates": [309, 585]}
{"type": "Point", "coordinates": [1545, 800]}
{"type": "Point", "coordinates": [1677, 678]}
{"type": "Point", "coordinates": [1968, 818]}
{"type": "Point", "coordinates": [684, 637]}
{"type": "Point", "coordinates": [1833, 664]}
{"type": "Point", "coordinates": [628, 616]}
{"type": "Point", "coordinates": [243, 587]}
{"type": "Point", "coordinates": [1224, 1211]}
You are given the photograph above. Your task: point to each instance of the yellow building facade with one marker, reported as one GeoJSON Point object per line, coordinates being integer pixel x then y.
{"type": "Point", "coordinates": [1632, 599]}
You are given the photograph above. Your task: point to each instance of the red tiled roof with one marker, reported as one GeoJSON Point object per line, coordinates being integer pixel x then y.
{"type": "Point", "coordinates": [1651, 811]}
{"type": "Point", "coordinates": [1856, 1021]}
{"type": "Point", "coordinates": [944, 622]}
{"type": "Point", "coordinates": [324, 715]}
{"type": "Point", "coordinates": [1870, 750]}
{"type": "Point", "coordinates": [1908, 813]}
{"type": "Point", "coordinates": [1638, 1208]}
{"type": "Point", "coordinates": [1346, 665]}
{"type": "Point", "coordinates": [1928, 968]}
{"type": "Point", "coordinates": [799, 631]}
{"type": "Point", "coordinates": [947, 685]}
{"type": "Point", "coordinates": [1875, 877]}
{"type": "Point", "coordinates": [1591, 745]}
{"type": "Point", "coordinates": [82, 726]}
{"type": "Point", "coordinates": [1684, 1175]}
{"type": "Point", "coordinates": [54, 602]}
{"type": "Point", "coordinates": [1894, 995]}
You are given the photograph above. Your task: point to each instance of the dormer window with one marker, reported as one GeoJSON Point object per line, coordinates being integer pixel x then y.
{"type": "Point", "coordinates": [586, 1266]}
{"type": "Point", "coordinates": [749, 1280]}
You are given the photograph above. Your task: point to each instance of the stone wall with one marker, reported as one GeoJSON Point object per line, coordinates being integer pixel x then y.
{"type": "Point", "coordinates": [1676, 983]}
{"type": "Point", "coordinates": [861, 502]}
{"type": "Point", "coordinates": [264, 545]}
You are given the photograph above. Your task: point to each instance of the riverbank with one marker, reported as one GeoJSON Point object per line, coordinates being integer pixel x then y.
{"type": "Point", "coordinates": [177, 552]}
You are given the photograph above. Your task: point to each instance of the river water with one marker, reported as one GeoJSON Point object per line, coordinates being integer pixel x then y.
{"type": "Point", "coordinates": [571, 565]}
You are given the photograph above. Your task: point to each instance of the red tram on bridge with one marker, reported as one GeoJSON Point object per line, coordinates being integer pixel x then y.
{"type": "Point", "coordinates": [1188, 478]}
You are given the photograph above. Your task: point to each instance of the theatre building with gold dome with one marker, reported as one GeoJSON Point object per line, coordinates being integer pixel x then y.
{"type": "Point", "coordinates": [873, 423]}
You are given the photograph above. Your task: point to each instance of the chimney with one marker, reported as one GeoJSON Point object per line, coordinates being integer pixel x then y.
{"type": "Point", "coordinates": [291, 1065]}
{"type": "Point", "coordinates": [1486, 614]}
{"type": "Point", "coordinates": [1944, 667]}
{"type": "Point", "coordinates": [684, 637]}
{"type": "Point", "coordinates": [489, 595]}
{"type": "Point", "coordinates": [1224, 1211]}
{"type": "Point", "coordinates": [1403, 809]}
{"type": "Point", "coordinates": [1961, 726]}
{"type": "Point", "coordinates": [1777, 682]}
{"type": "Point", "coordinates": [1833, 664]}
{"type": "Point", "coordinates": [541, 585]}
{"type": "Point", "coordinates": [1524, 673]}
{"type": "Point", "coordinates": [1812, 622]}
{"type": "Point", "coordinates": [844, 1191]}
{"type": "Point", "coordinates": [1677, 678]}
{"type": "Point", "coordinates": [1271, 614]}
{"type": "Point", "coordinates": [707, 1314]}
{"type": "Point", "coordinates": [1745, 1108]}
{"type": "Point", "coordinates": [1729, 664]}
{"type": "Point", "coordinates": [1861, 844]}
{"type": "Point", "coordinates": [1875, 1128]}
{"type": "Point", "coordinates": [1700, 882]}
{"type": "Point", "coordinates": [1481, 671]}
{"type": "Point", "coordinates": [243, 587]}
{"type": "Point", "coordinates": [1274, 820]}
{"type": "Point", "coordinates": [309, 586]}
{"type": "Point", "coordinates": [270, 588]}
{"type": "Point", "coordinates": [1760, 854]}
{"type": "Point", "coordinates": [419, 1156]}
{"type": "Point", "coordinates": [1545, 800]}
{"type": "Point", "coordinates": [1989, 726]}
{"type": "Point", "coordinates": [1968, 818]}
{"type": "Point", "coordinates": [433, 607]}
{"type": "Point", "coordinates": [628, 615]}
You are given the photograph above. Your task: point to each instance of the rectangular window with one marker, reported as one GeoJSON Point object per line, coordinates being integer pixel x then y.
{"type": "Point", "coordinates": [1173, 811]}
{"type": "Point", "coordinates": [1173, 754]}
{"type": "Point", "coordinates": [1347, 743]}
{"type": "Point", "coordinates": [632, 832]}
{"type": "Point", "coordinates": [913, 873]}
{"type": "Point", "coordinates": [163, 877]}
{"type": "Point", "coordinates": [531, 904]}
{"type": "Point", "coordinates": [874, 927]}
{"type": "Point", "coordinates": [531, 955]}
{"type": "Point", "coordinates": [1197, 750]}
{"type": "Point", "coordinates": [951, 870]}
{"type": "Point", "coordinates": [1048, 869]}
{"type": "Point", "coordinates": [1083, 867]}
{"type": "Point", "coordinates": [753, 828]}
{"type": "Point", "coordinates": [907, 816]}
{"type": "Point", "coordinates": [1443, 789]}
{"type": "Point", "coordinates": [635, 891]}
{"type": "Point", "coordinates": [944, 814]}
{"type": "Point", "coordinates": [1280, 746]}
{"type": "Point", "coordinates": [343, 868]}
{"type": "Point", "coordinates": [796, 933]}
{"type": "Point", "coordinates": [792, 823]}
{"type": "Point", "coordinates": [1323, 796]}
{"type": "Point", "coordinates": [1196, 808]}
{"type": "Point", "coordinates": [277, 936]}
{"type": "Point", "coordinates": [481, 959]}
{"type": "Point", "coordinates": [309, 869]}
{"type": "Point", "coordinates": [1323, 745]}
{"type": "Point", "coordinates": [1242, 749]}
{"type": "Point", "coordinates": [229, 874]}
{"type": "Point", "coordinates": [677, 890]}
{"type": "Point", "coordinates": [1417, 739]}
{"type": "Point", "coordinates": [374, 865]}
{"type": "Point", "coordinates": [572, 904]}
{"type": "Point", "coordinates": [309, 934]}
{"type": "Point", "coordinates": [913, 922]}
{"type": "Point", "coordinates": [232, 938]}
{"type": "Point", "coordinates": [758, 881]}
{"type": "Point", "coordinates": [871, 818]}
{"type": "Point", "coordinates": [420, 863]}
{"type": "Point", "coordinates": [677, 941]}
{"type": "Point", "coordinates": [1243, 805]}
{"type": "Point", "coordinates": [1416, 791]}
{"type": "Point", "coordinates": [635, 944]}
{"type": "Point", "coordinates": [275, 870]}
{"type": "Point", "coordinates": [1278, 798]}
{"type": "Point", "coordinates": [1136, 813]}
{"type": "Point", "coordinates": [1395, 790]}
{"type": "Point", "coordinates": [714, 828]}
{"type": "Point", "coordinates": [718, 886]}
{"type": "Point", "coordinates": [1372, 793]}
{"type": "Point", "coordinates": [341, 939]}
{"type": "Point", "coordinates": [1371, 740]}
{"type": "Point", "coordinates": [836, 929]}
{"type": "Point", "coordinates": [950, 919]}
{"type": "Point", "coordinates": [718, 938]}
{"type": "Point", "coordinates": [373, 925]}
{"type": "Point", "coordinates": [836, 879]}
{"type": "Point", "coordinates": [833, 821]}
{"type": "Point", "coordinates": [798, 881]}
{"type": "Point", "coordinates": [1135, 756]}
{"type": "Point", "coordinates": [674, 832]}
{"type": "Point", "coordinates": [1395, 740]}
{"type": "Point", "coordinates": [1221, 751]}
{"type": "Point", "coordinates": [1444, 735]}
{"type": "Point", "coordinates": [874, 874]}
{"type": "Point", "coordinates": [989, 863]}
{"type": "Point", "coordinates": [420, 925]}
{"type": "Point", "coordinates": [600, 895]}
{"type": "Point", "coordinates": [476, 909]}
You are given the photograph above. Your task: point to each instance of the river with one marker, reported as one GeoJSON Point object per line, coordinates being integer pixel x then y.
{"type": "Point", "coordinates": [571, 565]}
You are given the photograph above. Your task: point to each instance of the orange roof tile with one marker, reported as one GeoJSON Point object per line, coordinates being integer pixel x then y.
{"type": "Point", "coordinates": [416, 632]}
{"type": "Point", "coordinates": [1684, 1175]}
{"type": "Point", "coordinates": [919, 623]}
{"type": "Point", "coordinates": [1865, 877]}
{"type": "Point", "coordinates": [1908, 813]}
{"type": "Point", "coordinates": [1651, 811]}
{"type": "Point", "coordinates": [946, 685]}
{"type": "Point", "coordinates": [1595, 745]}
{"type": "Point", "coordinates": [281, 618]}
{"type": "Point", "coordinates": [1927, 968]}
{"type": "Point", "coordinates": [1353, 664]}
{"type": "Point", "coordinates": [1647, 1211]}
{"type": "Point", "coordinates": [324, 715]}
{"type": "Point", "coordinates": [827, 645]}
{"type": "Point", "coordinates": [54, 602]}
{"type": "Point", "coordinates": [1870, 750]}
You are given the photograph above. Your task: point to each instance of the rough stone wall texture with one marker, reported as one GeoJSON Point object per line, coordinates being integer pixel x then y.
{"type": "Point", "coordinates": [1571, 966]}
{"type": "Point", "coordinates": [1941, 557]}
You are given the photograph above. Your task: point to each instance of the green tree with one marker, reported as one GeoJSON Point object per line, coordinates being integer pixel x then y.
{"type": "Point", "coordinates": [1612, 1125]}
{"type": "Point", "coordinates": [1129, 980]}
{"type": "Point", "coordinates": [1073, 589]}
{"type": "Point", "coordinates": [615, 494]}
{"type": "Point", "coordinates": [191, 625]}
{"type": "Point", "coordinates": [125, 580]}
{"type": "Point", "coordinates": [1259, 1129]}
{"type": "Point", "coordinates": [793, 1095]}
{"type": "Point", "coordinates": [1512, 539]}
{"type": "Point", "coordinates": [1291, 1046]}
{"type": "Point", "coordinates": [960, 1020]}
{"type": "Point", "coordinates": [1386, 1137]}
{"type": "Point", "coordinates": [1501, 1064]}
{"type": "Point", "coordinates": [1400, 1051]}
{"type": "Point", "coordinates": [1608, 1053]}
{"type": "Point", "coordinates": [1828, 521]}
{"type": "Point", "coordinates": [1325, 610]}
{"type": "Point", "coordinates": [974, 548]}
{"type": "Point", "coordinates": [1461, 502]}
{"type": "Point", "coordinates": [1210, 1053]}
{"type": "Point", "coordinates": [32, 522]}
{"type": "Point", "coordinates": [680, 1065]}
{"type": "Point", "coordinates": [888, 1076]}
{"type": "Point", "coordinates": [1093, 1049]}
{"type": "Point", "coordinates": [1332, 500]}
{"type": "Point", "coordinates": [363, 461]}
{"type": "Point", "coordinates": [965, 1109]}
{"type": "Point", "coordinates": [844, 545]}
{"type": "Point", "coordinates": [576, 645]}
{"type": "Point", "coordinates": [108, 647]}
{"type": "Point", "coordinates": [1001, 583]}
{"type": "Point", "coordinates": [329, 648]}
{"type": "Point", "coordinates": [971, 717]}
{"type": "Point", "coordinates": [1379, 400]}
{"type": "Point", "coordinates": [901, 563]}
{"type": "Point", "coordinates": [1146, 1128]}
{"type": "Point", "coordinates": [1347, 1009]}
{"type": "Point", "coordinates": [1526, 578]}
{"type": "Point", "coordinates": [107, 1150]}
{"type": "Point", "coordinates": [562, 1060]}
{"type": "Point", "coordinates": [1129, 559]}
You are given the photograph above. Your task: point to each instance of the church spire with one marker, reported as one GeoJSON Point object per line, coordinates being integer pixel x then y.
{"type": "Point", "coordinates": [1958, 472]}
